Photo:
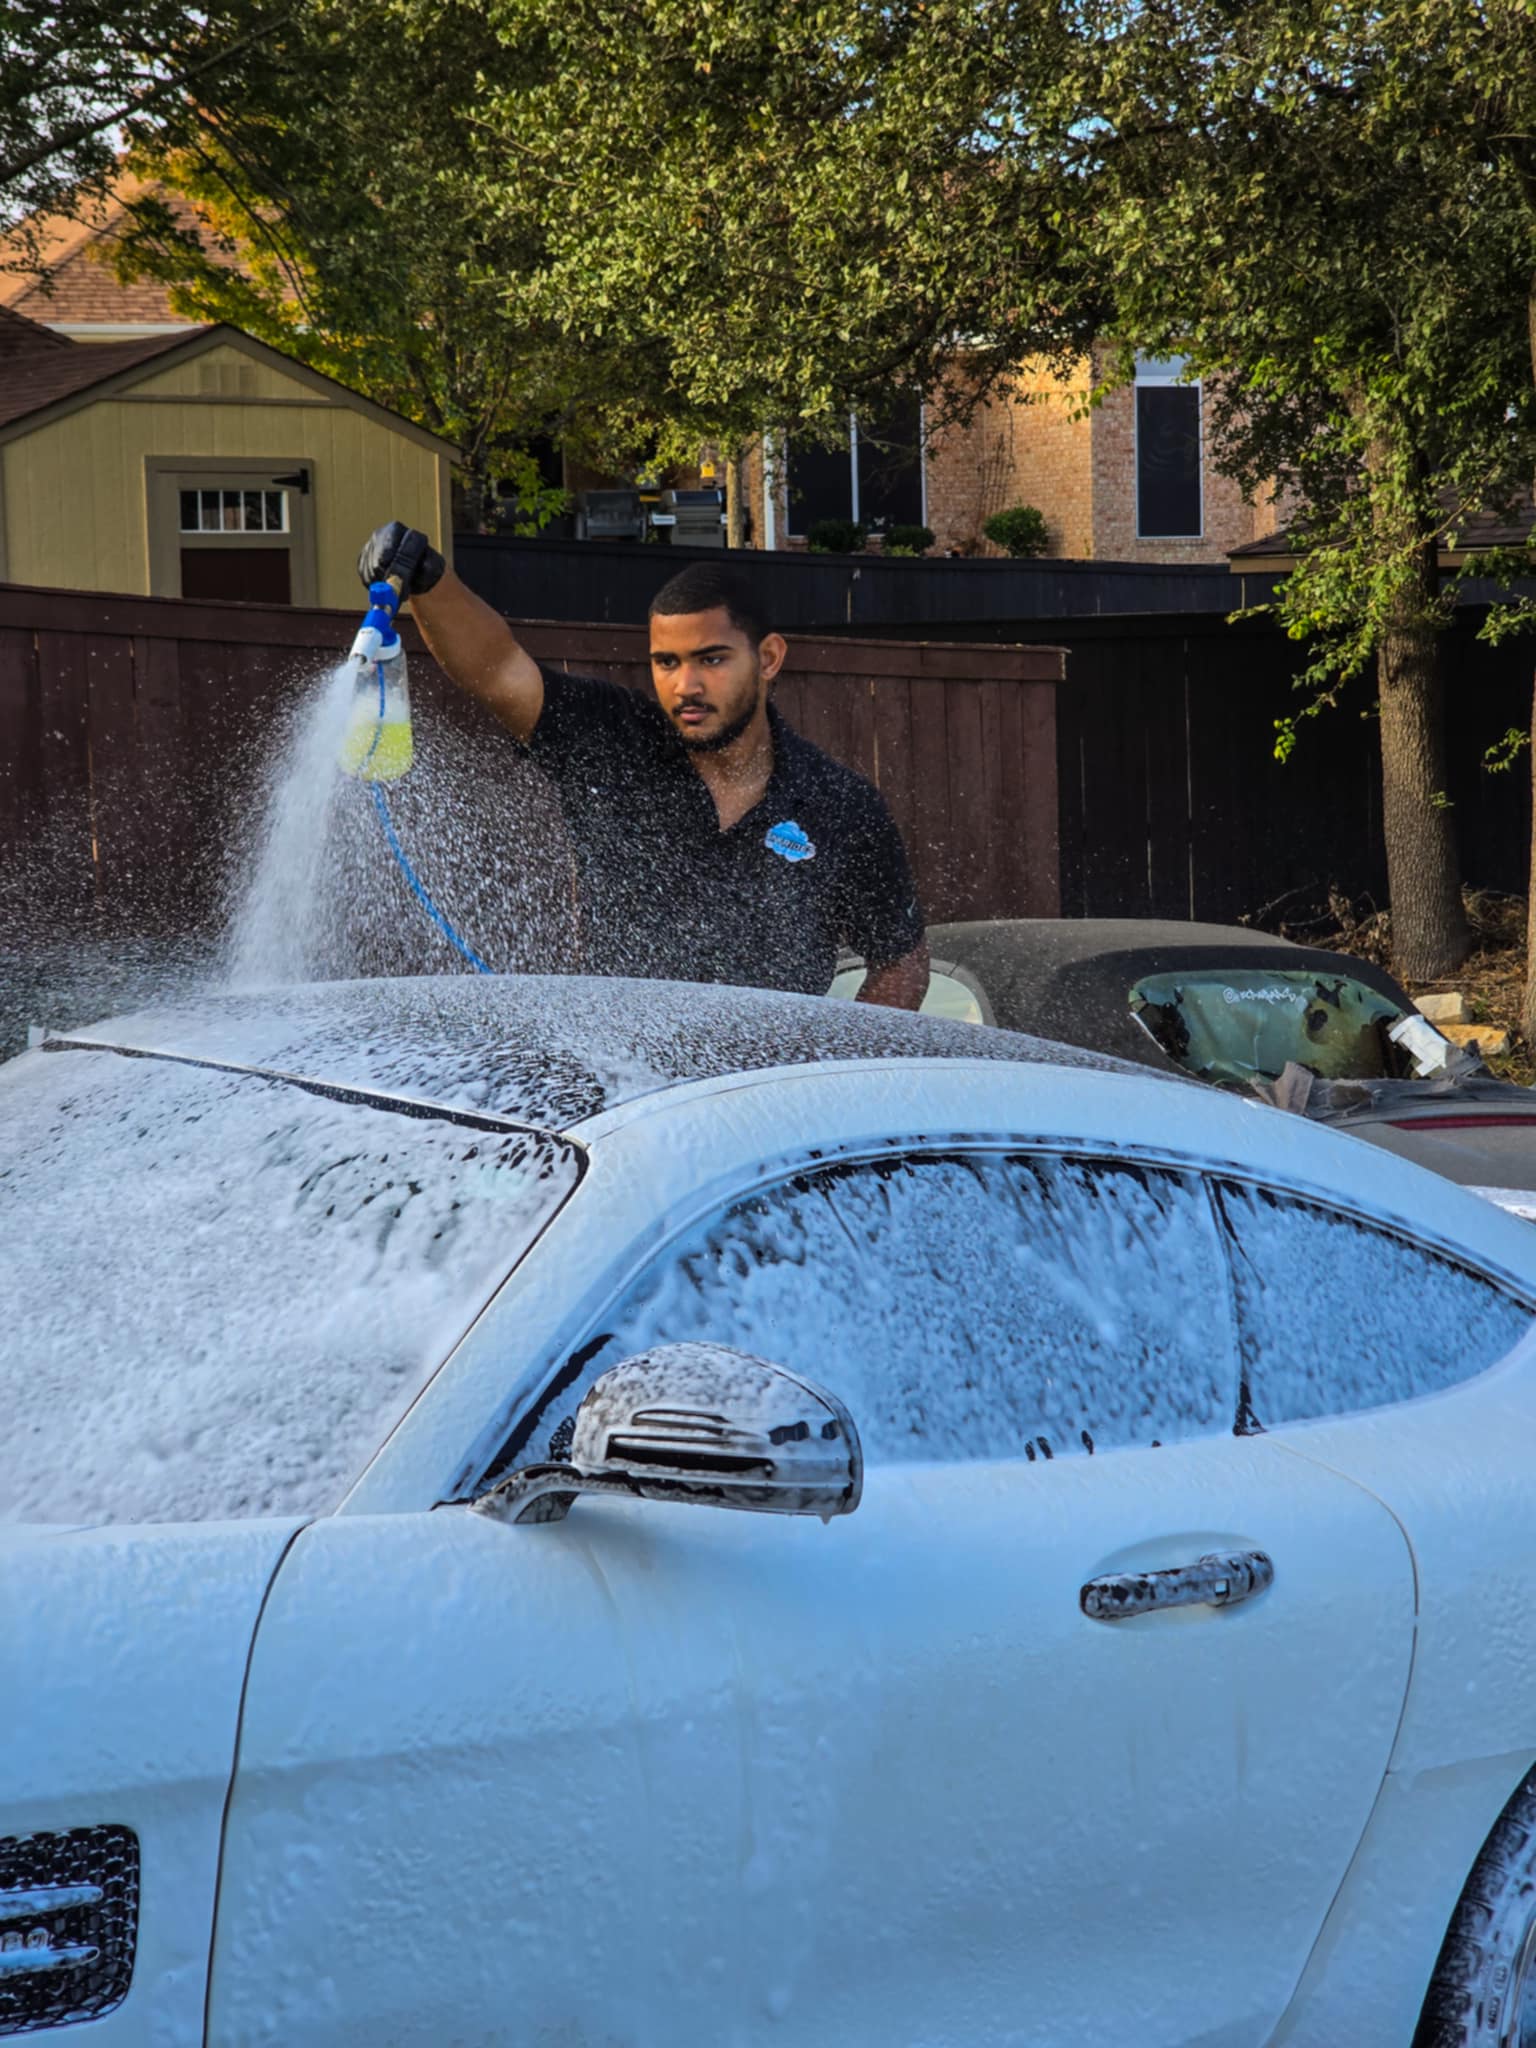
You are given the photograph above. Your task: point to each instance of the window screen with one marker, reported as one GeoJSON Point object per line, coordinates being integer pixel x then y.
{"type": "Point", "coordinates": [978, 1307]}
{"type": "Point", "coordinates": [1167, 461]}
{"type": "Point", "coordinates": [1335, 1315]}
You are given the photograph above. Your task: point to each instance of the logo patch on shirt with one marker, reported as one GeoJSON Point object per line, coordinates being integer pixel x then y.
{"type": "Point", "coordinates": [790, 841]}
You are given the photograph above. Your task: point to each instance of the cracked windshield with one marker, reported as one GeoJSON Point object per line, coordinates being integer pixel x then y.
{"type": "Point", "coordinates": [1235, 1028]}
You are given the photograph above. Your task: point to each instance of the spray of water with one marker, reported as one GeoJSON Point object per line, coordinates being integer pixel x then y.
{"type": "Point", "coordinates": [280, 926]}
{"type": "Point", "coordinates": [311, 890]}
{"type": "Point", "coordinates": [315, 892]}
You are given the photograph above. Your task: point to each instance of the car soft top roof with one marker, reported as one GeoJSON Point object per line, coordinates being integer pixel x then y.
{"type": "Point", "coordinates": [1070, 979]}
{"type": "Point", "coordinates": [548, 1051]}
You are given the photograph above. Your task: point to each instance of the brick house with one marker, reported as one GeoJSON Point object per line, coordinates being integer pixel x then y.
{"type": "Point", "coordinates": [1126, 481]}
{"type": "Point", "coordinates": [77, 293]}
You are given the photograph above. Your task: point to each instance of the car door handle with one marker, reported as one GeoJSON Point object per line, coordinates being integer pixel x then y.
{"type": "Point", "coordinates": [1220, 1579]}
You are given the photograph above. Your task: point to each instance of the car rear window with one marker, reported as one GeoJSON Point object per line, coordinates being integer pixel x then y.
{"type": "Point", "coordinates": [222, 1291]}
{"type": "Point", "coordinates": [1241, 1024]}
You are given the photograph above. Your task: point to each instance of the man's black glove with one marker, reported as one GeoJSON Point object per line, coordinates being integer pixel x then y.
{"type": "Point", "coordinates": [401, 551]}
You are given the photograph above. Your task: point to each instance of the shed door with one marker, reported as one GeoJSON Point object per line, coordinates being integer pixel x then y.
{"type": "Point", "coordinates": [241, 530]}
{"type": "Point", "coordinates": [250, 575]}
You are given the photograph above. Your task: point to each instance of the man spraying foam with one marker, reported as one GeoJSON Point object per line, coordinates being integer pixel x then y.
{"type": "Point", "coordinates": [712, 842]}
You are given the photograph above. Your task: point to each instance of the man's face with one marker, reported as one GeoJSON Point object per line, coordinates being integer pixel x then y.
{"type": "Point", "coordinates": [710, 680]}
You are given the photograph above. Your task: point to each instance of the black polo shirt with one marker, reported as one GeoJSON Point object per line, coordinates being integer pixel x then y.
{"type": "Point", "coordinates": [666, 895]}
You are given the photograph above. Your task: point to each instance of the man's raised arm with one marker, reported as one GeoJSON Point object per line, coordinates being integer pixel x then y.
{"type": "Point", "coordinates": [473, 645]}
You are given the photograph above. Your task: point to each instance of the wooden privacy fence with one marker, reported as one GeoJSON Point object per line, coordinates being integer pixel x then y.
{"type": "Point", "coordinates": [135, 731]}
{"type": "Point", "coordinates": [1172, 801]}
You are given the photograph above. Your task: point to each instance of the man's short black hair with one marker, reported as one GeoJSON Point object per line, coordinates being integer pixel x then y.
{"type": "Point", "coordinates": [704, 587]}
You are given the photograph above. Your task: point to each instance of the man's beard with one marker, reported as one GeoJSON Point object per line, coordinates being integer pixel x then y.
{"type": "Point", "coordinates": [716, 742]}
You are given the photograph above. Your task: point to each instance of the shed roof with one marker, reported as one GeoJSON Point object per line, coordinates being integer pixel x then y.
{"type": "Point", "coordinates": [46, 373]}
{"type": "Point", "coordinates": [42, 367]}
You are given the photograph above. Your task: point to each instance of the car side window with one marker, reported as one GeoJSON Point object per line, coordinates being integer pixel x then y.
{"type": "Point", "coordinates": [1336, 1315]}
{"type": "Point", "coordinates": [964, 1307]}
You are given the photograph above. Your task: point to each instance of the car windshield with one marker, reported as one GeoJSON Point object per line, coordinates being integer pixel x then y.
{"type": "Point", "coordinates": [1245, 1024]}
{"type": "Point", "coordinates": [222, 1291]}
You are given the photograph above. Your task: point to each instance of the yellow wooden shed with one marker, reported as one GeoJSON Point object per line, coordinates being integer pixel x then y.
{"type": "Point", "coordinates": [199, 464]}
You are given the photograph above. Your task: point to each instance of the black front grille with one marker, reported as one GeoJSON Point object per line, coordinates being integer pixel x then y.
{"type": "Point", "coordinates": [66, 1958]}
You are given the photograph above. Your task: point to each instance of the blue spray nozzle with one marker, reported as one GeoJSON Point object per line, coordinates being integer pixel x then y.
{"type": "Point", "coordinates": [383, 603]}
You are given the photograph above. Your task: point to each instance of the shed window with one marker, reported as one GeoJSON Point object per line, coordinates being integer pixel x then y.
{"type": "Point", "coordinates": [226, 511]}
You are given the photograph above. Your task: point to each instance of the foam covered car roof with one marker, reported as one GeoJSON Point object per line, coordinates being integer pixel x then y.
{"type": "Point", "coordinates": [548, 1051]}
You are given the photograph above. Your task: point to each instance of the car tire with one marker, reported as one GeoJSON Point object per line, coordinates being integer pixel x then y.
{"type": "Point", "coordinates": [1483, 1992]}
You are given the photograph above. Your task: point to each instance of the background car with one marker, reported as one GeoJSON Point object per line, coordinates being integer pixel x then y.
{"type": "Point", "coordinates": [1237, 1008]}
{"type": "Point", "coordinates": [373, 1673]}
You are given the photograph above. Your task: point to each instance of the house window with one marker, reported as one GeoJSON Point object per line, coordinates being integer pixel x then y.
{"type": "Point", "coordinates": [222, 511]}
{"type": "Point", "coordinates": [1168, 473]}
{"type": "Point", "coordinates": [876, 480]}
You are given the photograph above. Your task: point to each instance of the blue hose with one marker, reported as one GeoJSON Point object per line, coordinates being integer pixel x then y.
{"type": "Point", "coordinates": [381, 805]}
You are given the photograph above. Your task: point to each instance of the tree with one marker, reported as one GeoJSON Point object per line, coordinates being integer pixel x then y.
{"type": "Point", "coordinates": [807, 205]}
{"type": "Point", "coordinates": [329, 192]}
{"type": "Point", "coordinates": [803, 207]}
{"type": "Point", "coordinates": [1473, 63]}
{"type": "Point", "coordinates": [341, 216]}
{"type": "Point", "coordinates": [74, 80]}
{"type": "Point", "coordinates": [1281, 198]}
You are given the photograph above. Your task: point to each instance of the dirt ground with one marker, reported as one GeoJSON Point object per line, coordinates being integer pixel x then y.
{"type": "Point", "coordinates": [1493, 979]}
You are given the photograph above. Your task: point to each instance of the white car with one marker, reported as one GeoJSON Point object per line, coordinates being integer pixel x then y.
{"type": "Point", "coordinates": [1131, 1640]}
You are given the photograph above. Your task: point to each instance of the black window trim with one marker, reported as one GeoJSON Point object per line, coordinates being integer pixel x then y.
{"type": "Point", "coordinates": [1148, 379]}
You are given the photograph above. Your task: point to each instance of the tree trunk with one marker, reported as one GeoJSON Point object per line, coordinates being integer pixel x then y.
{"type": "Point", "coordinates": [477, 486]}
{"type": "Point", "coordinates": [1430, 938]}
{"type": "Point", "coordinates": [736, 498]}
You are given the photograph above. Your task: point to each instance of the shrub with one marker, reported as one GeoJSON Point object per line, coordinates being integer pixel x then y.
{"type": "Point", "coordinates": [835, 537]}
{"type": "Point", "coordinates": [908, 540]}
{"type": "Point", "coordinates": [1020, 530]}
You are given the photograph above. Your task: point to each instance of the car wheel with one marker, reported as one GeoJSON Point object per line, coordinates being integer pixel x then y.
{"type": "Point", "coordinates": [1483, 1992]}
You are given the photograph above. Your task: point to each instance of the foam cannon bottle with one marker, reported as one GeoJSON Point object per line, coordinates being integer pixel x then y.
{"type": "Point", "coordinates": [377, 745]}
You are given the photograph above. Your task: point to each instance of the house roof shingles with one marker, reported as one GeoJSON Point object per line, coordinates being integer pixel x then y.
{"type": "Point", "coordinates": [77, 286]}
{"type": "Point", "coordinates": [38, 368]}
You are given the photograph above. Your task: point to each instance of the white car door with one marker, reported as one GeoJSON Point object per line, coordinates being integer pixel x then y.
{"type": "Point", "coordinates": [659, 1774]}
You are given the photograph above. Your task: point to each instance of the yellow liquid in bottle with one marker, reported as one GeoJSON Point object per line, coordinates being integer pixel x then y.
{"type": "Point", "coordinates": [378, 745]}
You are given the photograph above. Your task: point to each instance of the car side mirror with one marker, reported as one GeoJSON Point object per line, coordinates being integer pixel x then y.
{"type": "Point", "coordinates": [698, 1422]}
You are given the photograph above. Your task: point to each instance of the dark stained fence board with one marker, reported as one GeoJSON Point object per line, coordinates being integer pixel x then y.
{"type": "Point", "coordinates": [930, 845]}
{"type": "Point", "coordinates": [64, 856]}
{"type": "Point", "coordinates": [969, 822]}
{"type": "Point", "coordinates": [894, 769]}
{"type": "Point", "coordinates": [861, 726]}
{"type": "Point", "coordinates": [999, 834]}
{"type": "Point", "coordinates": [21, 772]}
{"type": "Point", "coordinates": [1037, 776]}
{"type": "Point", "coordinates": [1166, 780]}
